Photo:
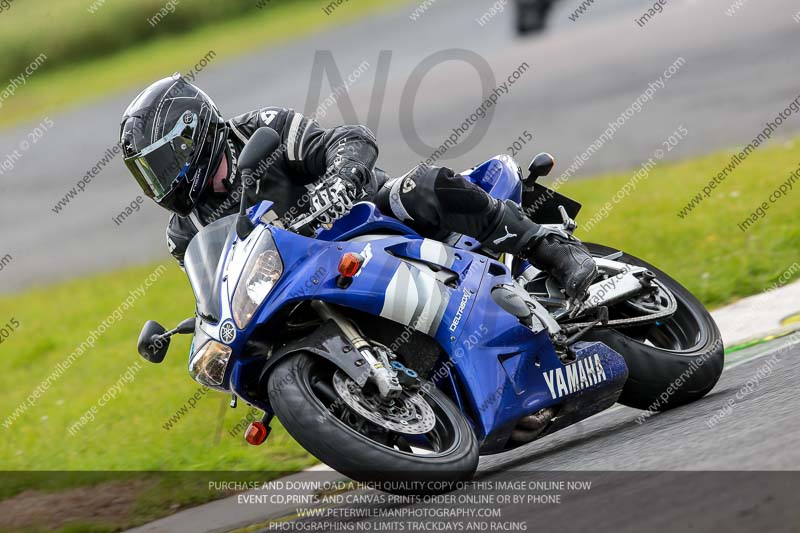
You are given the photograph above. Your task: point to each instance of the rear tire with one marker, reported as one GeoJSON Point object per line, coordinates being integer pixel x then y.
{"type": "Point", "coordinates": [684, 354]}
{"type": "Point", "coordinates": [295, 398]}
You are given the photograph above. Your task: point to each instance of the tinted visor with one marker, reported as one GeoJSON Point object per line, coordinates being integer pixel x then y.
{"type": "Point", "coordinates": [157, 167]}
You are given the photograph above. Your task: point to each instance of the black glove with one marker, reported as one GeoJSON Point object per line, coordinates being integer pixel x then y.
{"type": "Point", "coordinates": [345, 182]}
{"type": "Point", "coordinates": [356, 174]}
{"type": "Point", "coordinates": [329, 200]}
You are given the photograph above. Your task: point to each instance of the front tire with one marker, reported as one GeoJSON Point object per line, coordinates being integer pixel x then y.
{"type": "Point", "coordinates": [672, 362]}
{"type": "Point", "coordinates": [301, 395]}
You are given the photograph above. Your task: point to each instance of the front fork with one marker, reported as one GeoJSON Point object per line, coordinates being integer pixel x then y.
{"type": "Point", "coordinates": [381, 372]}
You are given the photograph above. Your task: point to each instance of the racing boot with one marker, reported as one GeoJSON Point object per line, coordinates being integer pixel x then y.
{"type": "Point", "coordinates": [551, 250]}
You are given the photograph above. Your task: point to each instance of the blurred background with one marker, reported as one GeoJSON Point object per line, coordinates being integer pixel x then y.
{"type": "Point", "coordinates": [653, 98]}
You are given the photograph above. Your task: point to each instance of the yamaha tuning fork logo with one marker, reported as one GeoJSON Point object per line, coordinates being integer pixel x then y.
{"type": "Point", "coordinates": [227, 332]}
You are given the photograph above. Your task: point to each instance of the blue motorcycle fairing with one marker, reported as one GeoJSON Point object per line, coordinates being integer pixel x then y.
{"type": "Point", "coordinates": [363, 218]}
{"type": "Point", "coordinates": [499, 364]}
{"type": "Point", "coordinates": [500, 176]}
{"type": "Point", "coordinates": [497, 370]}
{"type": "Point", "coordinates": [259, 210]}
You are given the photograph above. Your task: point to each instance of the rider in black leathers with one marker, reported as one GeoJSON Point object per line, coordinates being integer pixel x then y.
{"type": "Point", "coordinates": [184, 156]}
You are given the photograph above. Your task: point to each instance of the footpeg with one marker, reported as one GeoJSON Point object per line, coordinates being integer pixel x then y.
{"type": "Point", "coordinates": [577, 332]}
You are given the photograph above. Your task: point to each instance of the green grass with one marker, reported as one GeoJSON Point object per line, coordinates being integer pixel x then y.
{"type": "Point", "coordinates": [706, 252]}
{"type": "Point", "coordinates": [127, 434]}
{"type": "Point", "coordinates": [70, 83]}
{"type": "Point", "coordinates": [69, 31]}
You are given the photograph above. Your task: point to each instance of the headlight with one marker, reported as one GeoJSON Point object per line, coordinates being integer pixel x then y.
{"type": "Point", "coordinates": [209, 363]}
{"type": "Point", "coordinates": [263, 269]}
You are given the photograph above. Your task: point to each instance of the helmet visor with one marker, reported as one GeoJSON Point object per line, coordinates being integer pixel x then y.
{"type": "Point", "coordinates": [157, 167]}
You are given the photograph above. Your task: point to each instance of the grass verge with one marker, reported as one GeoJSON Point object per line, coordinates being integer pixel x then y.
{"type": "Point", "coordinates": [91, 79]}
{"type": "Point", "coordinates": [706, 251]}
{"type": "Point", "coordinates": [69, 31]}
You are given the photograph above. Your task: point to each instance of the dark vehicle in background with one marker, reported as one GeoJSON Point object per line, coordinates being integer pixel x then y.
{"type": "Point", "coordinates": [532, 15]}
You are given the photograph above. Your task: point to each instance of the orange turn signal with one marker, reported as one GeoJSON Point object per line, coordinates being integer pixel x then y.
{"type": "Point", "coordinates": [349, 264]}
{"type": "Point", "coordinates": [256, 433]}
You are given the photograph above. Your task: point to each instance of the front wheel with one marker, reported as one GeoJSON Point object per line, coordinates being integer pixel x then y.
{"type": "Point", "coordinates": [355, 433]}
{"type": "Point", "coordinates": [672, 361]}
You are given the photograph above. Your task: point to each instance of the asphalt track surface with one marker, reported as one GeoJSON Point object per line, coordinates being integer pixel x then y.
{"type": "Point", "coordinates": [676, 471]}
{"type": "Point", "coordinates": [728, 462]}
{"type": "Point", "coordinates": [739, 72]}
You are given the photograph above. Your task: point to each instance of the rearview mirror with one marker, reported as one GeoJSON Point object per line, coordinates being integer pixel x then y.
{"type": "Point", "coordinates": [254, 154]}
{"type": "Point", "coordinates": [260, 146]}
{"type": "Point", "coordinates": [151, 345]}
{"type": "Point", "coordinates": [541, 165]}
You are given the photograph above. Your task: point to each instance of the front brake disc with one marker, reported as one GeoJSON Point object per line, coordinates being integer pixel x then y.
{"type": "Point", "coordinates": [408, 413]}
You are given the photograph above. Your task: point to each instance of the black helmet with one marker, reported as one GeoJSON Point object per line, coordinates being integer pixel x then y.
{"type": "Point", "coordinates": [173, 138]}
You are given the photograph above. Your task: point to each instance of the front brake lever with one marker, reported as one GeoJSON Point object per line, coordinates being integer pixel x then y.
{"type": "Point", "coordinates": [569, 224]}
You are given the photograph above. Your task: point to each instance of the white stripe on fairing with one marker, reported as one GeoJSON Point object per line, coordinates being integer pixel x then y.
{"type": "Point", "coordinates": [433, 299]}
{"type": "Point", "coordinates": [296, 120]}
{"type": "Point", "coordinates": [401, 297]}
{"type": "Point", "coordinates": [433, 252]}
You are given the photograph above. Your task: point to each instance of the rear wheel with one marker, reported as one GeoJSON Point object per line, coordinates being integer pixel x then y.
{"type": "Point", "coordinates": [671, 361]}
{"type": "Point", "coordinates": [420, 437]}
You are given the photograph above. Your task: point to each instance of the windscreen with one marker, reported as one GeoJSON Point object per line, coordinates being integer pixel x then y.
{"type": "Point", "coordinates": [202, 263]}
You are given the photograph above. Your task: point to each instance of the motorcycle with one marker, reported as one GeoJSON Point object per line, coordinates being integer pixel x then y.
{"type": "Point", "coordinates": [390, 356]}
